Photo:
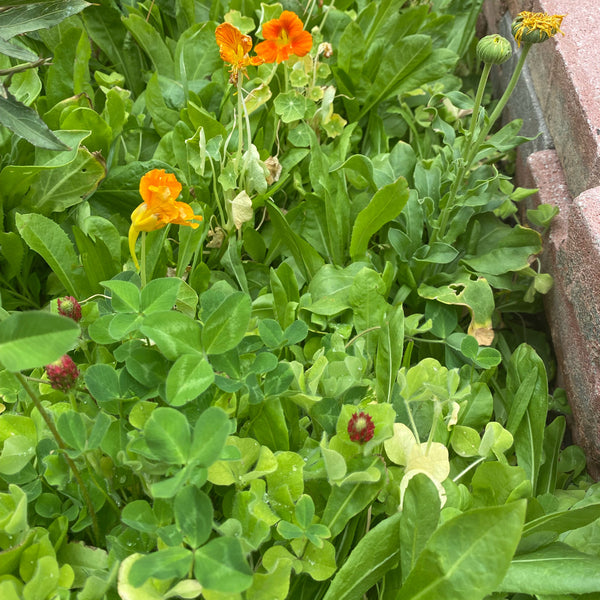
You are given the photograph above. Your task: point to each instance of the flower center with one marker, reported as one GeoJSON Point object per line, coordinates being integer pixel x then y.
{"type": "Point", "coordinates": [283, 39]}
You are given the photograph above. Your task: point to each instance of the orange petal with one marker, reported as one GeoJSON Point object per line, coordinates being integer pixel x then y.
{"type": "Point", "coordinates": [291, 23]}
{"type": "Point", "coordinates": [302, 43]}
{"type": "Point", "coordinates": [232, 43]}
{"type": "Point", "coordinates": [158, 179]}
{"type": "Point", "coordinates": [267, 51]}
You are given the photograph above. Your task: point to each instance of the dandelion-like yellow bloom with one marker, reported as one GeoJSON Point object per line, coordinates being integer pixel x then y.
{"type": "Point", "coordinates": [159, 190]}
{"type": "Point", "coordinates": [532, 28]}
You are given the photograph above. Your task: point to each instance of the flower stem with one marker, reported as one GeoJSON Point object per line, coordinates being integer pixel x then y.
{"type": "Point", "coordinates": [240, 124]}
{"type": "Point", "coordinates": [61, 444]}
{"type": "Point", "coordinates": [473, 145]}
{"type": "Point", "coordinates": [143, 260]}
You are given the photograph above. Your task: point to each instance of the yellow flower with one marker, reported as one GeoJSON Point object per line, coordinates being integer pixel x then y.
{"type": "Point", "coordinates": [159, 190]}
{"type": "Point", "coordinates": [533, 28]}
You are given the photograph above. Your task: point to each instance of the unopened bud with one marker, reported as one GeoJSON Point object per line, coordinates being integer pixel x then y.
{"type": "Point", "coordinates": [69, 307]}
{"type": "Point", "coordinates": [533, 28]}
{"type": "Point", "coordinates": [62, 373]}
{"type": "Point", "coordinates": [493, 49]}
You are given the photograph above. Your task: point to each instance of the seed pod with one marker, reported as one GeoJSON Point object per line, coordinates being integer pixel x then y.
{"type": "Point", "coordinates": [493, 49]}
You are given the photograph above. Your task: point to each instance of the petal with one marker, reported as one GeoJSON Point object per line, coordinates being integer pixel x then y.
{"type": "Point", "coordinates": [155, 180]}
{"type": "Point", "coordinates": [271, 30]}
{"type": "Point", "coordinates": [291, 23]}
{"type": "Point", "coordinates": [133, 236]}
{"type": "Point", "coordinates": [267, 51]}
{"type": "Point", "coordinates": [302, 43]}
{"type": "Point", "coordinates": [232, 43]}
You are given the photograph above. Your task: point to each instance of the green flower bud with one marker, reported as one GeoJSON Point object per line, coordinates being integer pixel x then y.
{"type": "Point", "coordinates": [533, 28]}
{"type": "Point", "coordinates": [493, 49]}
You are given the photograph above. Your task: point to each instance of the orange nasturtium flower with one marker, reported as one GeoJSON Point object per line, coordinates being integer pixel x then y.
{"type": "Point", "coordinates": [159, 191]}
{"type": "Point", "coordinates": [234, 47]}
{"type": "Point", "coordinates": [283, 37]}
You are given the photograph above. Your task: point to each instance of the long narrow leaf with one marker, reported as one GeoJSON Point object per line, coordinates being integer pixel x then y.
{"type": "Point", "coordinates": [385, 206]}
{"type": "Point", "coordinates": [468, 556]}
{"type": "Point", "coordinates": [26, 123]}
{"type": "Point", "coordinates": [376, 553]}
{"type": "Point", "coordinates": [46, 238]}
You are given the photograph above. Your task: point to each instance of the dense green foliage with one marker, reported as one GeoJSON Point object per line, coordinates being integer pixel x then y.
{"type": "Point", "coordinates": [205, 448]}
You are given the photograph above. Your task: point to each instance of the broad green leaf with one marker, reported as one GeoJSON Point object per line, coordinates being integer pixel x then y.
{"type": "Point", "coordinates": [159, 294]}
{"type": "Point", "coordinates": [35, 339]}
{"type": "Point", "coordinates": [319, 563]}
{"type": "Point", "coordinates": [196, 54]}
{"type": "Point", "coordinates": [34, 16]}
{"type": "Point", "coordinates": [55, 190]}
{"type": "Point", "coordinates": [390, 345]}
{"type": "Point", "coordinates": [146, 591]}
{"type": "Point", "coordinates": [529, 435]}
{"type": "Point", "coordinates": [103, 24]}
{"type": "Point", "coordinates": [555, 569]}
{"type": "Point", "coordinates": [220, 565]}
{"type": "Point", "coordinates": [375, 554]}
{"type": "Point", "coordinates": [227, 325]}
{"type": "Point", "coordinates": [385, 206]}
{"type": "Point", "coordinates": [307, 258]}
{"type": "Point", "coordinates": [399, 60]}
{"type": "Point", "coordinates": [493, 483]}
{"type": "Point", "coordinates": [103, 382]}
{"type": "Point", "coordinates": [290, 106]}
{"type": "Point", "coordinates": [188, 378]}
{"type": "Point", "coordinates": [167, 433]}
{"type": "Point", "coordinates": [17, 451]}
{"type": "Point", "coordinates": [48, 239]}
{"type": "Point", "coordinates": [72, 428]}
{"type": "Point", "coordinates": [193, 515]}
{"type": "Point", "coordinates": [477, 296]}
{"type": "Point", "coordinates": [468, 556]}
{"type": "Point", "coordinates": [140, 516]}
{"type": "Point", "coordinates": [419, 519]}
{"type": "Point", "coordinates": [168, 563]}
{"type": "Point", "coordinates": [125, 297]}
{"type": "Point", "coordinates": [152, 43]}
{"type": "Point", "coordinates": [349, 499]}
{"type": "Point", "coordinates": [210, 436]}
{"type": "Point", "coordinates": [26, 123]}
{"type": "Point", "coordinates": [503, 248]}
{"type": "Point", "coordinates": [20, 52]}
{"type": "Point", "coordinates": [549, 468]}
{"type": "Point", "coordinates": [174, 333]}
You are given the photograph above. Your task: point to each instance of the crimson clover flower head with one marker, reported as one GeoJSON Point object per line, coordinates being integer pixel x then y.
{"type": "Point", "coordinates": [62, 373]}
{"type": "Point", "coordinates": [69, 307]}
{"type": "Point", "coordinates": [361, 427]}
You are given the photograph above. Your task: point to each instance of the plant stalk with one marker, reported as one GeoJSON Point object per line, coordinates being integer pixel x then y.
{"type": "Point", "coordinates": [143, 260]}
{"type": "Point", "coordinates": [61, 444]}
{"type": "Point", "coordinates": [473, 145]}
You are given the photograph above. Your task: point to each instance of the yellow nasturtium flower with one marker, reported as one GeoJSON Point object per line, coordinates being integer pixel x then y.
{"type": "Point", "coordinates": [159, 190]}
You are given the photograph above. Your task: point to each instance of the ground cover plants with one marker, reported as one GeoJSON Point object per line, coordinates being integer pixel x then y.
{"type": "Point", "coordinates": [269, 322]}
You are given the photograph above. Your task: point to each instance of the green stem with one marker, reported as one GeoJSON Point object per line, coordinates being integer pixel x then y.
{"type": "Point", "coordinates": [143, 260]}
{"type": "Point", "coordinates": [240, 125]}
{"type": "Point", "coordinates": [61, 444]}
{"type": "Point", "coordinates": [24, 66]}
{"type": "Point", "coordinates": [467, 469]}
{"type": "Point", "coordinates": [473, 145]}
